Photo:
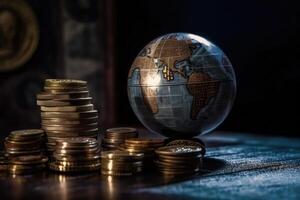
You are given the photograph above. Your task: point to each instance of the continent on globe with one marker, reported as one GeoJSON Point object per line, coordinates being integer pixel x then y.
{"type": "Point", "coordinates": [161, 55]}
{"type": "Point", "coordinates": [202, 88]}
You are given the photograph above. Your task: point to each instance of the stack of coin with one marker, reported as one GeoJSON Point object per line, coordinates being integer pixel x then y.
{"type": "Point", "coordinates": [179, 159]}
{"type": "Point", "coordinates": [145, 146]}
{"type": "Point", "coordinates": [76, 155]}
{"type": "Point", "coordinates": [3, 162]}
{"type": "Point", "coordinates": [121, 163]}
{"type": "Point", "coordinates": [27, 164]}
{"type": "Point", "coordinates": [67, 110]}
{"type": "Point", "coordinates": [25, 142]}
{"type": "Point", "coordinates": [114, 137]}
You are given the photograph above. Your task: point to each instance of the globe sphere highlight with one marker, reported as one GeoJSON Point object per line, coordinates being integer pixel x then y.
{"type": "Point", "coordinates": [181, 85]}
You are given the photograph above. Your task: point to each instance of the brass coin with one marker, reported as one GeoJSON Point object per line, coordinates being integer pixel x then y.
{"type": "Point", "coordinates": [121, 155]}
{"type": "Point", "coordinates": [70, 158]}
{"type": "Point", "coordinates": [120, 130]}
{"type": "Point", "coordinates": [70, 115]}
{"type": "Point", "coordinates": [62, 96]}
{"type": "Point", "coordinates": [54, 90]}
{"type": "Point", "coordinates": [19, 34]}
{"type": "Point", "coordinates": [29, 160]}
{"type": "Point", "coordinates": [69, 102]}
{"type": "Point", "coordinates": [76, 141]}
{"type": "Point", "coordinates": [58, 121]}
{"type": "Point", "coordinates": [26, 133]}
{"type": "Point", "coordinates": [180, 150]}
{"type": "Point", "coordinates": [65, 83]}
{"type": "Point", "coordinates": [188, 143]}
{"type": "Point", "coordinates": [116, 173]}
{"type": "Point", "coordinates": [63, 128]}
{"type": "Point", "coordinates": [144, 141]}
{"type": "Point", "coordinates": [74, 126]}
{"type": "Point", "coordinates": [83, 108]}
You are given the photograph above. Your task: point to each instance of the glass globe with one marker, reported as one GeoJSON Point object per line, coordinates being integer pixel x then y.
{"type": "Point", "coordinates": [181, 85]}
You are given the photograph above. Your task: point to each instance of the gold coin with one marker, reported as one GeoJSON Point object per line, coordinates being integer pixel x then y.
{"type": "Point", "coordinates": [116, 173]}
{"type": "Point", "coordinates": [121, 155]}
{"type": "Point", "coordinates": [19, 34]}
{"type": "Point", "coordinates": [65, 82]}
{"type": "Point", "coordinates": [144, 141]}
{"type": "Point", "coordinates": [58, 121]}
{"type": "Point", "coordinates": [70, 129]}
{"type": "Point", "coordinates": [121, 130]}
{"type": "Point", "coordinates": [29, 160]}
{"type": "Point", "coordinates": [77, 141]}
{"type": "Point", "coordinates": [180, 150]}
{"type": "Point", "coordinates": [62, 96]}
{"type": "Point", "coordinates": [69, 102]}
{"type": "Point", "coordinates": [70, 115]}
{"type": "Point", "coordinates": [56, 90]}
{"type": "Point", "coordinates": [198, 143]}
{"type": "Point", "coordinates": [83, 108]}
{"type": "Point", "coordinates": [26, 133]}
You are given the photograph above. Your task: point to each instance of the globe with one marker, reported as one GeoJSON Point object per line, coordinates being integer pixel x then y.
{"type": "Point", "coordinates": [181, 85]}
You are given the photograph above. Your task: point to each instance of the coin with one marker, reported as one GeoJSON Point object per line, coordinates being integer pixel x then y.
{"type": "Point", "coordinates": [26, 133]}
{"type": "Point", "coordinates": [144, 141]}
{"type": "Point", "coordinates": [29, 160]}
{"type": "Point", "coordinates": [120, 130]}
{"type": "Point", "coordinates": [61, 121]}
{"type": "Point", "coordinates": [70, 115]}
{"type": "Point", "coordinates": [83, 108]}
{"type": "Point", "coordinates": [65, 82]}
{"type": "Point", "coordinates": [62, 96]}
{"type": "Point", "coordinates": [180, 150]}
{"type": "Point", "coordinates": [68, 102]}
{"type": "Point", "coordinates": [121, 155]}
{"type": "Point", "coordinates": [188, 143]}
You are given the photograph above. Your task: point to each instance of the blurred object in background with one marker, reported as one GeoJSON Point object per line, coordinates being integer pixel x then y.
{"type": "Point", "coordinates": [71, 40]}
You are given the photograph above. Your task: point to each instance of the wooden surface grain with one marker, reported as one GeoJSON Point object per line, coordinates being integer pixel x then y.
{"type": "Point", "coordinates": [237, 166]}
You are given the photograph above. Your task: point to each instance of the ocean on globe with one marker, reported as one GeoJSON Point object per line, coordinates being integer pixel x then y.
{"type": "Point", "coordinates": [181, 85]}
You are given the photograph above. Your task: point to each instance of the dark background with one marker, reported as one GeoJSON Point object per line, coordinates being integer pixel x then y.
{"type": "Point", "coordinates": [261, 38]}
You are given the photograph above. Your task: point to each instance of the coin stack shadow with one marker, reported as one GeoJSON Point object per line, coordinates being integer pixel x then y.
{"type": "Point", "coordinates": [144, 146]}
{"type": "Point", "coordinates": [121, 163]}
{"type": "Point", "coordinates": [66, 111]}
{"type": "Point", "coordinates": [114, 137]}
{"type": "Point", "coordinates": [76, 155]}
{"type": "Point", "coordinates": [25, 149]}
{"type": "Point", "coordinates": [179, 159]}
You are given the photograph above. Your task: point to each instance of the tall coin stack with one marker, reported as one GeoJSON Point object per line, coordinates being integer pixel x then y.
{"type": "Point", "coordinates": [67, 111]}
{"type": "Point", "coordinates": [76, 155]}
{"type": "Point", "coordinates": [144, 146]}
{"type": "Point", "coordinates": [114, 137]}
{"type": "Point", "coordinates": [25, 149]}
{"type": "Point", "coordinates": [179, 159]}
{"type": "Point", "coordinates": [121, 163]}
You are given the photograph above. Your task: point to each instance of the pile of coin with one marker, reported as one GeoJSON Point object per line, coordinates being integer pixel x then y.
{"type": "Point", "coordinates": [179, 159]}
{"type": "Point", "coordinates": [121, 163]}
{"type": "Point", "coordinates": [145, 146]}
{"type": "Point", "coordinates": [76, 155]}
{"type": "Point", "coordinates": [67, 110]}
{"type": "Point", "coordinates": [27, 164]}
{"type": "Point", "coordinates": [114, 137]}
{"type": "Point", "coordinates": [25, 142]}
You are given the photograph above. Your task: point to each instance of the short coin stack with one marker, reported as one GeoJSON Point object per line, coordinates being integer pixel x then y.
{"type": "Point", "coordinates": [114, 137]}
{"type": "Point", "coordinates": [67, 110]}
{"type": "Point", "coordinates": [76, 155]}
{"type": "Point", "coordinates": [27, 164]}
{"type": "Point", "coordinates": [121, 163]}
{"type": "Point", "coordinates": [25, 149]}
{"type": "Point", "coordinates": [25, 142]}
{"type": "Point", "coordinates": [179, 159]}
{"type": "Point", "coordinates": [145, 146]}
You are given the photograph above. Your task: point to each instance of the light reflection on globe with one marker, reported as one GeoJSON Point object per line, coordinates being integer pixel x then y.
{"type": "Point", "coordinates": [181, 85]}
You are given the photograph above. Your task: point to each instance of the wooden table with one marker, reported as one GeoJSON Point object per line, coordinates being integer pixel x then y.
{"type": "Point", "coordinates": [237, 166]}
